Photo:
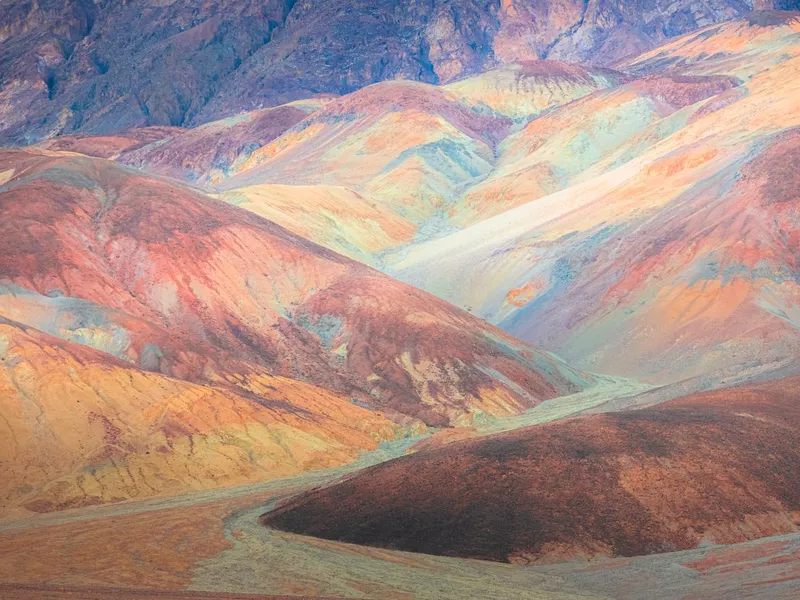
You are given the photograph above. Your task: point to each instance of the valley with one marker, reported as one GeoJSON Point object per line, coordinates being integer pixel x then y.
{"type": "Point", "coordinates": [432, 299]}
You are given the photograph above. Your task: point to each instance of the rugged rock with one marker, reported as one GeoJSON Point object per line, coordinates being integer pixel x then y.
{"type": "Point", "coordinates": [103, 67]}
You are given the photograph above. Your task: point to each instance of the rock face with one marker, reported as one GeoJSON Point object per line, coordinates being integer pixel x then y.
{"type": "Point", "coordinates": [102, 67]}
{"type": "Point", "coordinates": [699, 469]}
{"type": "Point", "coordinates": [112, 65]}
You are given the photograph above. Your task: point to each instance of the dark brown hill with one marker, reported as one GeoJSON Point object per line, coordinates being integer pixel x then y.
{"type": "Point", "coordinates": [718, 467]}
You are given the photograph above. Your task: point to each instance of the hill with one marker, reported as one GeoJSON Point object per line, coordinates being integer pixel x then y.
{"type": "Point", "coordinates": [699, 469]}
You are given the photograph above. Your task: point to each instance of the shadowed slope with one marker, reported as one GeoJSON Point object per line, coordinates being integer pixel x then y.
{"type": "Point", "coordinates": [111, 146]}
{"type": "Point", "coordinates": [721, 466]}
{"type": "Point", "coordinates": [103, 67]}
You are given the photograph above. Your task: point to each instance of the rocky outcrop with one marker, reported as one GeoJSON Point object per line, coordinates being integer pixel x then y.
{"type": "Point", "coordinates": [102, 67]}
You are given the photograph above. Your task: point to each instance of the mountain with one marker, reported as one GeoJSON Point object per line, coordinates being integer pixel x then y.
{"type": "Point", "coordinates": [523, 90]}
{"type": "Point", "coordinates": [511, 191]}
{"type": "Point", "coordinates": [507, 280]}
{"type": "Point", "coordinates": [409, 162]}
{"type": "Point", "coordinates": [387, 158]}
{"type": "Point", "coordinates": [89, 229]}
{"type": "Point", "coordinates": [671, 252]}
{"type": "Point", "coordinates": [406, 148]}
{"type": "Point", "coordinates": [533, 183]}
{"type": "Point", "coordinates": [155, 307]}
{"type": "Point", "coordinates": [697, 470]}
{"type": "Point", "coordinates": [741, 48]}
{"type": "Point", "coordinates": [102, 67]}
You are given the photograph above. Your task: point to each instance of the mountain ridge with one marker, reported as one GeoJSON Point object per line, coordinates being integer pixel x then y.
{"type": "Point", "coordinates": [66, 67]}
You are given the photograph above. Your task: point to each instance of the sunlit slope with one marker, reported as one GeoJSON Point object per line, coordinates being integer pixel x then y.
{"type": "Point", "coordinates": [371, 170]}
{"type": "Point", "coordinates": [680, 261]}
{"type": "Point", "coordinates": [575, 142]}
{"type": "Point", "coordinates": [413, 148]}
{"type": "Point", "coordinates": [408, 146]}
{"type": "Point", "coordinates": [332, 216]}
{"type": "Point", "coordinates": [81, 427]}
{"type": "Point", "coordinates": [741, 48]}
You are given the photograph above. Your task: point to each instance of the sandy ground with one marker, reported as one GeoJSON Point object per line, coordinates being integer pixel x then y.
{"type": "Point", "coordinates": [43, 592]}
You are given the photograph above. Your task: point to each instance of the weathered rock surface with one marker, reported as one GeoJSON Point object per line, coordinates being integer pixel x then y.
{"type": "Point", "coordinates": [103, 67]}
